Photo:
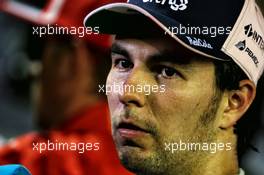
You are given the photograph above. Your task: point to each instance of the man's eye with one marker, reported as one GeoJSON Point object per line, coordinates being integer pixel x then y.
{"type": "Point", "coordinates": [123, 64]}
{"type": "Point", "coordinates": [167, 72]}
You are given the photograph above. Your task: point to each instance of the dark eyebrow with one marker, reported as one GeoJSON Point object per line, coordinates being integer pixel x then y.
{"type": "Point", "coordinates": [165, 56]}
{"type": "Point", "coordinates": [118, 49]}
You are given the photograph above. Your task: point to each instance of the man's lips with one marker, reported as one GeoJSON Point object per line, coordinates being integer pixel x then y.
{"type": "Point", "coordinates": [130, 130]}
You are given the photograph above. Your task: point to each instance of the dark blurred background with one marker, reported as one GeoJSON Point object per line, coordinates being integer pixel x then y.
{"type": "Point", "coordinates": [15, 101]}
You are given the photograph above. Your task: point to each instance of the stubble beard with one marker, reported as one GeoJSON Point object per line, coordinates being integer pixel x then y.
{"type": "Point", "coordinates": [162, 162]}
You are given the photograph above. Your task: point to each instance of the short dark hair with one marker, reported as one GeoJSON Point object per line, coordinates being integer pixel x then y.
{"type": "Point", "coordinates": [228, 75]}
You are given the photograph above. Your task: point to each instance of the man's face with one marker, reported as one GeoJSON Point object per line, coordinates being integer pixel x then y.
{"type": "Point", "coordinates": [186, 110]}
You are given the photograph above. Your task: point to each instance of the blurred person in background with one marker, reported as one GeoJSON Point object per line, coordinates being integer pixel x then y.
{"type": "Point", "coordinates": [68, 107]}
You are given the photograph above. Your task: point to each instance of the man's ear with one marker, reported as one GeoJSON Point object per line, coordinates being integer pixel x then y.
{"type": "Point", "coordinates": [238, 103]}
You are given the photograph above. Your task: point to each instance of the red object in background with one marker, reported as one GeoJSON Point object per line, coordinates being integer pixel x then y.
{"type": "Point", "coordinates": [74, 12]}
{"type": "Point", "coordinates": [65, 13]}
{"type": "Point", "coordinates": [90, 127]}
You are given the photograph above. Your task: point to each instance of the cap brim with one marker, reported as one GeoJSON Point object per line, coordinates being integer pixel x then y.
{"type": "Point", "coordinates": [118, 18]}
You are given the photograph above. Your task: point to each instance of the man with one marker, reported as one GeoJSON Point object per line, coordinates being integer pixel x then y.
{"type": "Point", "coordinates": [208, 55]}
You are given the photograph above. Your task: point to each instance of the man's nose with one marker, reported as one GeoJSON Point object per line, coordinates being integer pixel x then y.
{"type": "Point", "coordinates": [133, 89]}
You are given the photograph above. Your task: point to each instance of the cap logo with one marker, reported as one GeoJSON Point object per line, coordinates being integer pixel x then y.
{"type": "Point", "coordinates": [199, 42]}
{"type": "Point", "coordinates": [242, 47]}
{"type": "Point", "coordinates": [249, 30]}
{"type": "Point", "coordinates": [175, 5]}
{"type": "Point", "coordinates": [251, 33]}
